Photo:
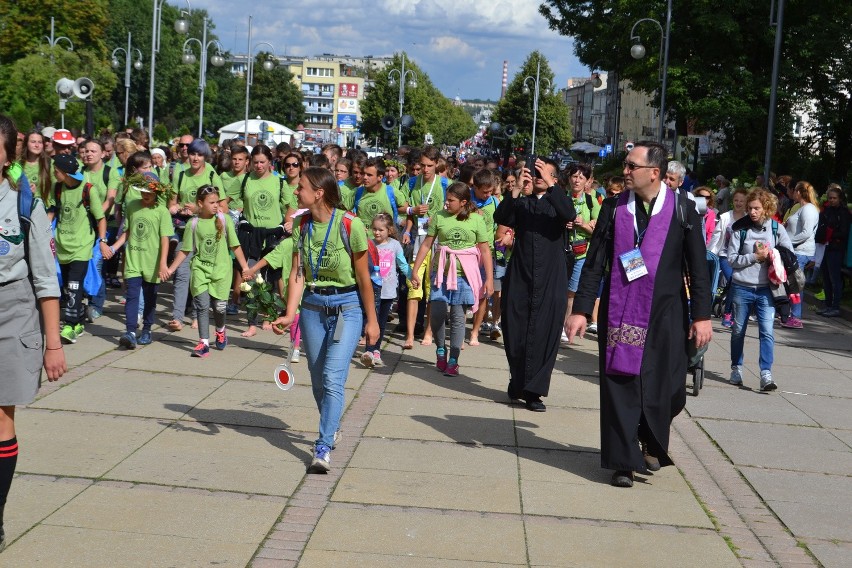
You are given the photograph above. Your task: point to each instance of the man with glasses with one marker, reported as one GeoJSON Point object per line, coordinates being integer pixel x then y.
{"type": "Point", "coordinates": [643, 236]}
{"type": "Point", "coordinates": [182, 162]}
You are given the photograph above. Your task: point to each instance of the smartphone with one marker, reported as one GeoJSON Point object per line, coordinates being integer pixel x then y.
{"type": "Point", "coordinates": [531, 158]}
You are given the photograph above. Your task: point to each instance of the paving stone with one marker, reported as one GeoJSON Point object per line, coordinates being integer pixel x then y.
{"type": "Point", "coordinates": [832, 555]}
{"type": "Point", "coordinates": [742, 404]}
{"type": "Point", "coordinates": [325, 558]}
{"type": "Point", "coordinates": [827, 411]}
{"type": "Point", "coordinates": [32, 499]}
{"type": "Point", "coordinates": [174, 357]}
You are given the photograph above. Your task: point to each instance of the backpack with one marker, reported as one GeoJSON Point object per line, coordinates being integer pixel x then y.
{"type": "Point", "coordinates": [795, 277]}
{"type": "Point", "coordinates": [345, 233]}
{"type": "Point", "coordinates": [85, 201]}
{"type": "Point", "coordinates": [359, 193]}
{"type": "Point", "coordinates": [774, 237]}
{"type": "Point", "coordinates": [26, 206]}
{"type": "Point", "coordinates": [221, 217]}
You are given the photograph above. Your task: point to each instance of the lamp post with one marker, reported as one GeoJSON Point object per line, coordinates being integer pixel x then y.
{"type": "Point", "coordinates": [136, 65]}
{"type": "Point", "coordinates": [181, 27]}
{"type": "Point", "coordinates": [638, 52]}
{"type": "Point", "coordinates": [52, 41]}
{"type": "Point", "coordinates": [537, 91]}
{"type": "Point", "coordinates": [189, 58]}
{"type": "Point", "coordinates": [412, 82]}
{"type": "Point", "coordinates": [773, 93]}
{"type": "Point", "coordinates": [268, 65]}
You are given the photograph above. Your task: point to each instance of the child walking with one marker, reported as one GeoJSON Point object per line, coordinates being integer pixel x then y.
{"type": "Point", "coordinates": [386, 281]}
{"type": "Point", "coordinates": [209, 236]}
{"type": "Point", "coordinates": [463, 246]}
{"type": "Point", "coordinates": [147, 230]}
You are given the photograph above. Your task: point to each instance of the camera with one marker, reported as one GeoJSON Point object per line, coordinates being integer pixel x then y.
{"type": "Point", "coordinates": [530, 161]}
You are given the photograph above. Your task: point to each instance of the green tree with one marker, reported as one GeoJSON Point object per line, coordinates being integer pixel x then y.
{"type": "Point", "coordinates": [274, 95]}
{"type": "Point", "coordinates": [433, 113]}
{"type": "Point", "coordinates": [553, 126]}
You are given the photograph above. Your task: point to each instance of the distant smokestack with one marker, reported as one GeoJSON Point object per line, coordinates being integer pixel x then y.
{"type": "Point", "coordinates": [505, 78]}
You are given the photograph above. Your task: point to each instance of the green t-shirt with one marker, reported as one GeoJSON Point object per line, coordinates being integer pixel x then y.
{"type": "Point", "coordinates": [262, 201]}
{"type": "Point", "coordinates": [373, 203]}
{"type": "Point", "coordinates": [335, 267]}
{"type": "Point", "coordinates": [32, 171]}
{"type": "Point", "coordinates": [581, 206]}
{"type": "Point", "coordinates": [187, 186]}
{"type": "Point", "coordinates": [487, 211]}
{"type": "Point", "coordinates": [233, 185]}
{"type": "Point", "coordinates": [347, 194]}
{"type": "Point", "coordinates": [428, 192]}
{"type": "Point", "coordinates": [145, 227]}
{"type": "Point", "coordinates": [449, 230]}
{"type": "Point", "coordinates": [211, 270]}
{"type": "Point", "coordinates": [98, 185]}
{"type": "Point", "coordinates": [282, 257]}
{"type": "Point", "coordinates": [75, 236]}
{"type": "Point", "coordinates": [288, 196]}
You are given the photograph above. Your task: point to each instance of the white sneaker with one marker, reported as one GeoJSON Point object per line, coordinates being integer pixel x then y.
{"type": "Point", "coordinates": [377, 358]}
{"type": "Point", "coordinates": [294, 356]}
{"type": "Point", "coordinates": [736, 376]}
{"type": "Point", "coordinates": [592, 328]}
{"type": "Point", "coordinates": [565, 341]}
{"type": "Point", "coordinates": [321, 463]}
{"type": "Point", "coordinates": [367, 359]}
{"type": "Point", "coordinates": [766, 382]}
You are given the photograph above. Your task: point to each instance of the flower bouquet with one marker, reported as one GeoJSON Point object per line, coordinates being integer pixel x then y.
{"type": "Point", "coordinates": [148, 182]}
{"type": "Point", "coordinates": [262, 301]}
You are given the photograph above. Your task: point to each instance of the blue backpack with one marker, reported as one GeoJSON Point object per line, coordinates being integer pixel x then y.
{"type": "Point", "coordinates": [26, 205]}
{"type": "Point", "coordinates": [359, 193]}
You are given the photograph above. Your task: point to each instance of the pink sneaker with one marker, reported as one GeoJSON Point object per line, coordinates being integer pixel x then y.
{"type": "Point", "coordinates": [727, 320]}
{"type": "Point", "coordinates": [441, 362]}
{"type": "Point", "coordinates": [452, 369]}
{"type": "Point", "coordinates": [792, 323]}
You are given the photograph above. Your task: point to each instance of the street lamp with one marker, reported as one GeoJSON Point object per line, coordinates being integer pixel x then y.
{"type": "Point", "coordinates": [136, 65]}
{"type": "Point", "coordinates": [181, 27]}
{"type": "Point", "coordinates": [268, 65]}
{"type": "Point", "coordinates": [189, 58]}
{"type": "Point", "coordinates": [637, 51]}
{"type": "Point", "coordinates": [52, 41]}
{"type": "Point", "coordinates": [526, 91]}
{"type": "Point", "coordinates": [412, 82]}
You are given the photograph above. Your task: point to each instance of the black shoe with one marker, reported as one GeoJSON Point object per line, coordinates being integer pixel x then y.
{"type": "Point", "coordinates": [535, 404]}
{"type": "Point", "coordinates": [513, 396]}
{"type": "Point", "coordinates": [622, 479]}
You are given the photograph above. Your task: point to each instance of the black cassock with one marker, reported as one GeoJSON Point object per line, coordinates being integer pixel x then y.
{"type": "Point", "coordinates": [644, 405]}
{"type": "Point", "coordinates": [535, 286]}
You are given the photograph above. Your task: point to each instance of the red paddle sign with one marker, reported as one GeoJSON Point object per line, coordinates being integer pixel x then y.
{"type": "Point", "coordinates": [284, 377]}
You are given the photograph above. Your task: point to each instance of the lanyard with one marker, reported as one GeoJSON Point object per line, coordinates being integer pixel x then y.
{"type": "Point", "coordinates": [425, 201]}
{"type": "Point", "coordinates": [315, 269]}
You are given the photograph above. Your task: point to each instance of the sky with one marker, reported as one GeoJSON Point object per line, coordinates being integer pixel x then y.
{"type": "Point", "coordinates": [459, 44]}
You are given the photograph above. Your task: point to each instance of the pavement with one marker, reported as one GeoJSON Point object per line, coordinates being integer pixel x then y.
{"type": "Point", "coordinates": [151, 458]}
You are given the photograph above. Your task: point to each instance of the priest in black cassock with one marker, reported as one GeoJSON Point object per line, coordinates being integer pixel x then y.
{"type": "Point", "coordinates": [536, 281]}
{"type": "Point", "coordinates": [647, 242]}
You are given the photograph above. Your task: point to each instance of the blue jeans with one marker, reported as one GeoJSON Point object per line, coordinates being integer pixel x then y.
{"type": "Point", "coordinates": [328, 360]}
{"type": "Point", "coordinates": [744, 298]}
{"type": "Point", "coordinates": [796, 309]}
{"type": "Point", "coordinates": [727, 271]}
{"type": "Point", "coordinates": [138, 289]}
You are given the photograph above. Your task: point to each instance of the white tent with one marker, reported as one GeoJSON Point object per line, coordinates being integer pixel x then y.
{"type": "Point", "coordinates": [277, 132]}
{"type": "Point", "coordinates": [585, 148]}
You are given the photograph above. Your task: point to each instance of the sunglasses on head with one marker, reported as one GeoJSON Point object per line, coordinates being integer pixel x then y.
{"type": "Point", "coordinates": [632, 166]}
{"type": "Point", "coordinates": [207, 190]}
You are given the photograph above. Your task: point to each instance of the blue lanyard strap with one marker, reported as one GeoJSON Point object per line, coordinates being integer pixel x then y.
{"type": "Point", "coordinates": [315, 268]}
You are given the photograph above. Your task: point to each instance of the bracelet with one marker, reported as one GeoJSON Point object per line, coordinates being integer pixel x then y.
{"type": "Point", "coordinates": [54, 348]}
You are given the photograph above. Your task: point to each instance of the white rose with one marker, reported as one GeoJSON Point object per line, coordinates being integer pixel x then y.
{"type": "Point", "coordinates": [259, 279]}
{"type": "Point", "coordinates": [245, 287]}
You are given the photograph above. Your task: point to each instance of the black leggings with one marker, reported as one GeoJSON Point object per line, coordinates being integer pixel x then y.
{"type": "Point", "coordinates": [73, 275]}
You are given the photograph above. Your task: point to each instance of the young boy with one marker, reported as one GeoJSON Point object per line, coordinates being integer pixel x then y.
{"type": "Point", "coordinates": [233, 201]}
{"type": "Point", "coordinates": [79, 214]}
{"type": "Point", "coordinates": [486, 205]}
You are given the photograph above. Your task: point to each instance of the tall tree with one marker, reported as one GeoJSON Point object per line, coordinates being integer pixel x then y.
{"type": "Point", "coordinates": [274, 95]}
{"type": "Point", "coordinates": [553, 125]}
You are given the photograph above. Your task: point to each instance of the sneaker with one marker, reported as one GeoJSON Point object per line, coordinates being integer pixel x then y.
{"type": "Point", "coordinates": [452, 369]}
{"type": "Point", "coordinates": [67, 334]}
{"type": "Point", "coordinates": [496, 332]}
{"type": "Point", "coordinates": [831, 313]}
{"type": "Point", "coordinates": [367, 359]}
{"type": "Point", "coordinates": [337, 437]}
{"type": "Point", "coordinates": [820, 295]}
{"type": "Point", "coordinates": [114, 283]}
{"type": "Point", "coordinates": [232, 309]}
{"type": "Point", "coordinates": [79, 330]}
{"type": "Point", "coordinates": [592, 328]}
{"type": "Point", "coordinates": [766, 382]}
{"type": "Point", "coordinates": [321, 463]}
{"type": "Point", "coordinates": [441, 359]}
{"type": "Point", "coordinates": [727, 320]}
{"type": "Point", "coordinates": [201, 350]}
{"type": "Point", "coordinates": [792, 323]}
{"type": "Point", "coordinates": [92, 313]}
{"type": "Point", "coordinates": [752, 317]}
{"type": "Point", "coordinates": [736, 376]}
{"type": "Point", "coordinates": [145, 337]}
{"type": "Point", "coordinates": [295, 355]}
{"type": "Point", "coordinates": [221, 340]}
{"type": "Point", "coordinates": [121, 300]}
{"type": "Point", "coordinates": [128, 340]}
{"type": "Point", "coordinates": [564, 340]}
{"type": "Point", "coordinates": [377, 358]}
{"type": "Point", "coordinates": [485, 327]}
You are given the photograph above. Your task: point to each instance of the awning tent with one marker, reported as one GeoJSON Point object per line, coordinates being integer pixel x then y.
{"type": "Point", "coordinates": [277, 133]}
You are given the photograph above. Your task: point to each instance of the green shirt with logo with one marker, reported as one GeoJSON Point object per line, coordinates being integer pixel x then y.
{"type": "Point", "coordinates": [428, 192]}
{"type": "Point", "coordinates": [281, 257]}
{"type": "Point", "coordinates": [374, 202]}
{"type": "Point", "coordinates": [187, 186]}
{"type": "Point", "coordinates": [233, 185]}
{"type": "Point", "coordinates": [450, 231]}
{"type": "Point", "coordinates": [211, 270]}
{"type": "Point", "coordinates": [145, 228]}
{"type": "Point", "coordinates": [262, 201]}
{"type": "Point", "coordinates": [75, 235]}
{"type": "Point", "coordinates": [335, 267]}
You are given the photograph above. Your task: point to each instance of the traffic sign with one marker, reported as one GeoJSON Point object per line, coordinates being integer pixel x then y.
{"type": "Point", "coordinates": [602, 153]}
{"type": "Point", "coordinates": [629, 146]}
{"type": "Point", "coordinates": [608, 148]}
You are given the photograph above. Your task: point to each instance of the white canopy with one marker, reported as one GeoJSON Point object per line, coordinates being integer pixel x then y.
{"type": "Point", "coordinates": [585, 148]}
{"type": "Point", "coordinates": [277, 132]}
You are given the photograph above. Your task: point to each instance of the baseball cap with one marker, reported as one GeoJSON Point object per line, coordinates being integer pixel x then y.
{"type": "Point", "coordinates": [48, 131]}
{"type": "Point", "coordinates": [68, 164]}
{"type": "Point", "coordinates": [62, 136]}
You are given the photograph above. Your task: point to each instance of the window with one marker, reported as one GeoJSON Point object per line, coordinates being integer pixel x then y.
{"type": "Point", "coordinates": [320, 72]}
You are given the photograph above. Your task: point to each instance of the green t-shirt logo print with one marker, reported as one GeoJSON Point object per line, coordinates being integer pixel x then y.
{"type": "Point", "coordinates": [262, 201]}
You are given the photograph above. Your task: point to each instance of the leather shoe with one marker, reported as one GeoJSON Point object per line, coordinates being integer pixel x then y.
{"type": "Point", "coordinates": [622, 479]}
{"type": "Point", "coordinates": [651, 462]}
{"type": "Point", "coordinates": [535, 404]}
{"type": "Point", "coordinates": [513, 396]}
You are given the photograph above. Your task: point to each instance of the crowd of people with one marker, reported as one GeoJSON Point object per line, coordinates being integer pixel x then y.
{"type": "Point", "coordinates": [347, 242]}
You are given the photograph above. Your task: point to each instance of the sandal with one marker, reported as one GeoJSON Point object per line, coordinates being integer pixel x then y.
{"type": "Point", "coordinates": [175, 325]}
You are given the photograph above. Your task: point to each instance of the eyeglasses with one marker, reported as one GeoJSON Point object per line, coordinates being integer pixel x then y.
{"type": "Point", "coordinates": [291, 164]}
{"type": "Point", "coordinates": [631, 166]}
{"type": "Point", "coordinates": [704, 195]}
{"type": "Point", "coordinates": [183, 145]}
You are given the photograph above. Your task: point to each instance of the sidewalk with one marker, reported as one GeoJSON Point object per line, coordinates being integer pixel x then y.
{"type": "Point", "coordinates": [151, 458]}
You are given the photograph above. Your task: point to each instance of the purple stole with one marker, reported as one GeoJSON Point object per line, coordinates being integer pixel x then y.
{"type": "Point", "coordinates": [630, 302]}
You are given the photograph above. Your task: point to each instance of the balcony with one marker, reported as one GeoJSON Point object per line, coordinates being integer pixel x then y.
{"type": "Point", "coordinates": [312, 93]}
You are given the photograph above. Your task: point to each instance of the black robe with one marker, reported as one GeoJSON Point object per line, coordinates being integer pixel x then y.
{"type": "Point", "coordinates": [535, 287]}
{"type": "Point", "coordinates": [634, 407]}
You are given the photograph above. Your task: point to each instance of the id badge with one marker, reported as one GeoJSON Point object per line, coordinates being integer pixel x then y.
{"type": "Point", "coordinates": [634, 264]}
{"type": "Point", "coordinates": [421, 225]}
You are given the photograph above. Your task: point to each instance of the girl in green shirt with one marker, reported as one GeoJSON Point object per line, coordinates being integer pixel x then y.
{"type": "Point", "coordinates": [36, 164]}
{"type": "Point", "coordinates": [208, 238]}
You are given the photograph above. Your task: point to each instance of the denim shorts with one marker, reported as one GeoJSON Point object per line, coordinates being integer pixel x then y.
{"type": "Point", "coordinates": [574, 281]}
{"type": "Point", "coordinates": [462, 296]}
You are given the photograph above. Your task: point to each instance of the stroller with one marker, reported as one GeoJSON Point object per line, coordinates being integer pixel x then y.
{"type": "Point", "coordinates": [696, 356]}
